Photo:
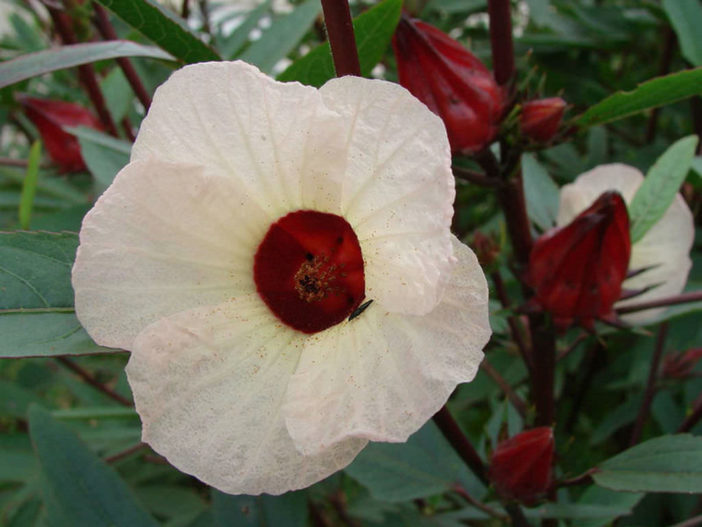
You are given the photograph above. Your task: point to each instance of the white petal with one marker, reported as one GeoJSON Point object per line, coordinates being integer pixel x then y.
{"type": "Point", "coordinates": [209, 384]}
{"type": "Point", "coordinates": [382, 375]}
{"type": "Point", "coordinates": [579, 195]}
{"type": "Point", "coordinates": [278, 141]}
{"type": "Point", "coordinates": [162, 239]}
{"type": "Point", "coordinates": [665, 247]}
{"type": "Point", "coordinates": [398, 191]}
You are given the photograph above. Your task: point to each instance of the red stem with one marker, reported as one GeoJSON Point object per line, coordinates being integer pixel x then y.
{"type": "Point", "coordinates": [102, 21]}
{"type": "Point", "coordinates": [516, 401]}
{"type": "Point", "coordinates": [650, 385]}
{"type": "Point", "coordinates": [337, 18]}
{"type": "Point", "coordinates": [86, 73]}
{"type": "Point", "coordinates": [453, 433]}
{"type": "Point", "coordinates": [501, 41]}
{"type": "Point", "coordinates": [92, 381]}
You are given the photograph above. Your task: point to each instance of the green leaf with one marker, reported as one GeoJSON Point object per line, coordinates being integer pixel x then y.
{"type": "Point", "coordinates": [234, 42]}
{"type": "Point", "coordinates": [35, 270]}
{"type": "Point", "coordinates": [373, 30]}
{"type": "Point", "coordinates": [290, 510]}
{"type": "Point", "coordinates": [45, 333]}
{"type": "Point", "coordinates": [104, 155]}
{"type": "Point", "coordinates": [29, 186]}
{"type": "Point", "coordinates": [660, 186]}
{"type": "Point", "coordinates": [162, 27]}
{"type": "Point", "coordinates": [33, 64]}
{"type": "Point", "coordinates": [650, 94]}
{"type": "Point", "coordinates": [36, 307]}
{"type": "Point", "coordinates": [424, 465]}
{"type": "Point", "coordinates": [87, 491]}
{"type": "Point", "coordinates": [283, 35]}
{"type": "Point", "coordinates": [542, 194]}
{"type": "Point", "coordinates": [686, 18]}
{"type": "Point", "coordinates": [620, 504]}
{"type": "Point", "coordinates": [671, 463]}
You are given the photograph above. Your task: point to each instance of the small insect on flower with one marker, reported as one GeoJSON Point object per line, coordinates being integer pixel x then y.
{"type": "Point", "coordinates": [233, 255]}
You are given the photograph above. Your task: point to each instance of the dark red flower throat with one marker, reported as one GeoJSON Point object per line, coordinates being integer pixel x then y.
{"type": "Point", "coordinates": [309, 270]}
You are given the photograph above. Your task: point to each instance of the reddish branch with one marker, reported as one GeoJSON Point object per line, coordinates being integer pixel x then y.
{"type": "Point", "coordinates": [650, 385]}
{"type": "Point", "coordinates": [86, 73]}
{"type": "Point", "coordinates": [501, 41]}
{"type": "Point", "coordinates": [337, 18]}
{"type": "Point", "coordinates": [92, 381]}
{"type": "Point", "coordinates": [102, 21]}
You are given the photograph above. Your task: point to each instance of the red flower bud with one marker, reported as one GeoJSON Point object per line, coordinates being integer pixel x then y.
{"type": "Point", "coordinates": [520, 467]}
{"type": "Point", "coordinates": [451, 81]}
{"type": "Point", "coordinates": [486, 248]}
{"type": "Point", "coordinates": [577, 270]}
{"type": "Point", "coordinates": [541, 118]}
{"type": "Point", "coordinates": [680, 365]}
{"type": "Point", "coordinates": [49, 116]}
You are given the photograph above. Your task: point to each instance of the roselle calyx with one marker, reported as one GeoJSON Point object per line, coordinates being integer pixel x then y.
{"type": "Point", "coordinates": [451, 81]}
{"type": "Point", "coordinates": [50, 116]}
{"type": "Point", "coordinates": [541, 118]}
{"type": "Point", "coordinates": [520, 467]}
{"type": "Point", "coordinates": [577, 270]}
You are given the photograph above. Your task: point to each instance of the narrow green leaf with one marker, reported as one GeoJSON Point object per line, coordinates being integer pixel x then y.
{"type": "Point", "coordinates": [104, 155]}
{"type": "Point", "coordinates": [373, 31]}
{"type": "Point", "coordinates": [283, 35]}
{"type": "Point", "coordinates": [29, 185]}
{"type": "Point", "coordinates": [164, 28]}
{"type": "Point", "coordinates": [686, 18]}
{"type": "Point", "coordinates": [232, 45]}
{"type": "Point", "coordinates": [542, 194]}
{"type": "Point", "coordinates": [661, 185]}
{"type": "Point", "coordinates": [422, 466]}
{"type": "Point", "coordinates": [650, 94]}
{"type": "Point", "coordinates": [671, 463]}
{"type": "Point", "coordinates": [86, 491]}
{"type": "Point", "coordinates": [33, 64]}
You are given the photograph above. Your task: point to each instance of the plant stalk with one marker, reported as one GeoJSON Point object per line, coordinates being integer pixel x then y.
{"type": "Point", "coordinates": [337, 18]}
{"type": "Point", "coordinates": [650, 385]}
{"type": "Point", "coordinates": [102, 21]}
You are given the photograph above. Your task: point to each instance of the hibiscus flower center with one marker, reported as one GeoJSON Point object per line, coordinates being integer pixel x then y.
{"type": "Point", "coordinates": [309, 270]}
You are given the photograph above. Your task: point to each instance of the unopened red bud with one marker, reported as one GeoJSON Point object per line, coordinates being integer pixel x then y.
{"type": "Point", "coordinates": [680, 365]}
{"type": "Point", "coordinates": [451, 81]}
{"type": "Point", "coordinates": [577, 270]}
{"type": "Point", "coordinates": [540, 119]}
{"type": "Point", "coordinates": [49, 116]}
{"type": "Point", "coordinates": [486, 249]}
{"type": "Point", "coordinates": [520, 467]}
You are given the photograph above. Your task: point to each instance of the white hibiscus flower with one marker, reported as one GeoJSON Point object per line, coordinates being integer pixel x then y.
{"type": "Point", "coordinates": [232, 253]}
{"type": "Point", "coordinates": [664, 250]}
